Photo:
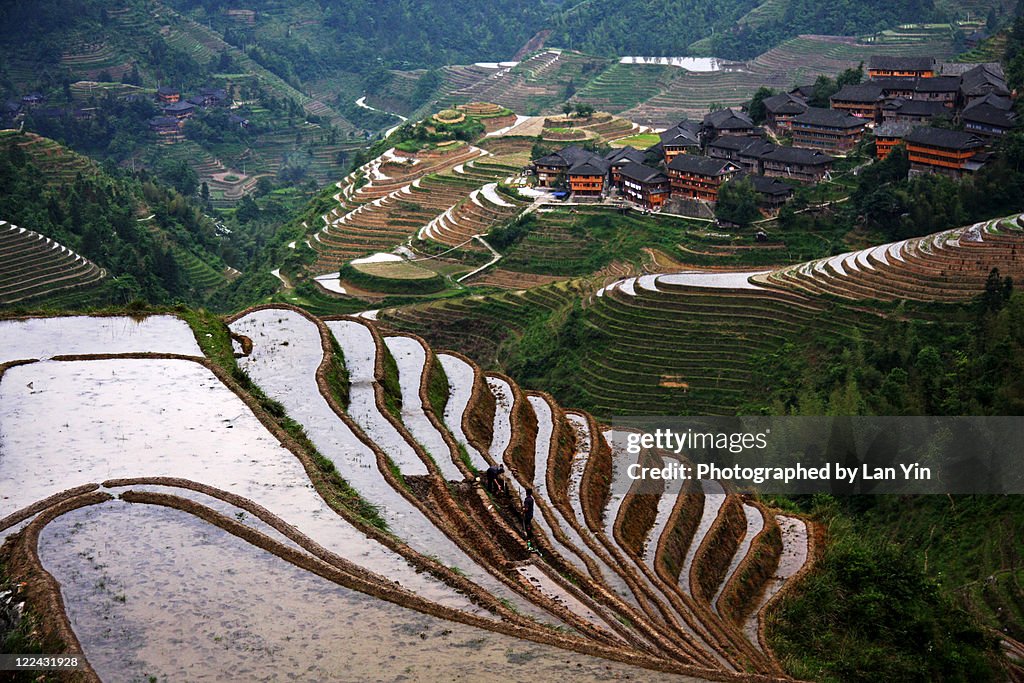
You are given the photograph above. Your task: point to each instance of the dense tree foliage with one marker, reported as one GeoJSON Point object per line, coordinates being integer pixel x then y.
{"type": "Point", "coordinates": [737, 202]}
{"type": "Point", "coordinates": [98, 216]}
{"type": "Point", "coordinates": [658, 27]}
{"type": "Point", "coordinates": [870, 611]}
{"type": "Point", "coordinates": [842, 17]}
{"type": "Point", "coordinates": [360, 35]}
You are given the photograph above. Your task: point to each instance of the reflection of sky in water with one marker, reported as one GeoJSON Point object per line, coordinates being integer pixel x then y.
{"type": "Point", "coordinates": [170, 418]}
{"type": "Point", "coordinates": [286, 354]}
{"type": "Point", "coordinates": [75, 335]}
{"type": "Point", "coordinates": [157, 592]}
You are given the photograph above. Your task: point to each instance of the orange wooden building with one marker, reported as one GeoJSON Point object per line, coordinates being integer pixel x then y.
{"type": "Point", "coordinates": [937, 150]}
{"type": "Point", "coordinates": [885, 66]}
{"type": "Point", "coordinates": [889, 135]}
{"type": "Point", "coordinates": [694, 177]}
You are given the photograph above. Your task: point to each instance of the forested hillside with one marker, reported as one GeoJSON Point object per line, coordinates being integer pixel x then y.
{"type": "Point", "coordinates": [318, 37]}
{"type": "Point", "coordinates": [658, 27]}
{"type": "Point", "coordinates": [151, 240]}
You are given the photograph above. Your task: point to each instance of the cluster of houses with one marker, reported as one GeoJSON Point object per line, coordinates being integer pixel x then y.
{"type": "Point", "coordinates": [35, 103]}
{"type": "Point", "coordinates": [693, 161]}
{"type": "Point", "coordinates": [900, 100]}
{"type": "Point", "coordinates": [680, 175]}
{"type": "Point", "coordinates": [175, 110]}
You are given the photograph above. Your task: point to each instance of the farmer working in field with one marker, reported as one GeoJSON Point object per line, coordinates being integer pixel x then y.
{"type": "Point", "coordinates": [495, 482]}
{"type": "Point", "coordinates": [528, 518]}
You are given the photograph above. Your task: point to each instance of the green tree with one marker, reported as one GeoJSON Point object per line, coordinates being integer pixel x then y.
{"type": "Point", "coordinates": [737, 202]}
{"type": "Point", "coordinates": [584, 110]}
{"type": "Point", "coordinates": [850, 76]}
{"type": "Point", "coordinates": [823, 88]}
{"type": "Point", "coordinates": [757, 111]}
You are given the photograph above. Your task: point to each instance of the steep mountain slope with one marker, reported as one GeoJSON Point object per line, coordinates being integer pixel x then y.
{"type": "Point", "coordinates": [150, 240]}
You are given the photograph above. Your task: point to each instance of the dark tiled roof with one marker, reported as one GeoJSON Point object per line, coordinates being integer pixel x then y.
{"type": "Point", "coordinates": [894, 129]}
{"type": "Point", "coordinates": [179, 106]}
{"type": "Point", "coordinates": [568, 157]}
{"type": "Point", "coordinates": [991, 99]}
{"type": "Point", "coordinates": [862, 92]}
{"type": "Point", "coordinates": [163, 121]}
{"type": "Point", "coordinates": [733, 143]}
{"type": "Point", "coordinates": [890, 83]}
{"type": "Point", "coordinates": [551, 160]}
{"type": "Point", "coordinates": [728, 119]}
{"type": "Point", "coordinates": [679, 137]}
{"type": "Point", "coordinates": [166, 90]}
{"type": "Point", "coordinates": [690, 163]}
{"type": "Point", "coordinates": [982, 80]}
{"type": "Point", "coordinates": [693, 127]}
{"type": "Point", "coordinates": [770, 186]}
{"type": "Point", "coordinates": [989, 115]}
{"type": "Point", "coordinates": [804, 91]}
{"type": "Point", "coordinates": [575, 155]}
{"type": "Point", "coordinates": [643, 174]}
{"type": "Point", "coordinates": [959, 68]}
{"type": "Point", "coordinates": [624, 155]}
{"type": "Point", "coordinates": [798, 155]}
{"type": "Point", "coordinates": [830, 118]}
{"type": "Point", "coordinates": [917, 108]}
{"type": "Point", "coordinates": [784, 104]}
{"type": "Point", "coordinates": [756, 149]}
{"type": "Point", "coordinates": [947, 139]}
{"type": "Point", "coordinates": [937, 84]}
{"type": "Point", "coordinates": [888, 63]}
{"type": "Point", "coordinates": [595, 166]}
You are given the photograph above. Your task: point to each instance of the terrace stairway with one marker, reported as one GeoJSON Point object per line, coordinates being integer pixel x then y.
{"type": "Point", "coordinates": [740, 319]}
{"type": "Point", "coordinates": [662, 587]}
{"type": "Point", "coordinates": [396, 199]}
{"type": "Point", "coordinates": [34, 266]}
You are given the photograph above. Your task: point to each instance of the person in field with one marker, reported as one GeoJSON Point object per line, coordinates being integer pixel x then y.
{"type": "Point", "coordinates": [495, 480]}
{"type": "Point", "coordinates": [528, 518]}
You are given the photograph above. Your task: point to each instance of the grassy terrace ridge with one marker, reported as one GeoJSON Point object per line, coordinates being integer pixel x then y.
{"type": "Point", "coordinates": [215, 340]}
{"type": "Point", "coordinates": [582, 240]}
{"type": "Point", "coordinates": [622, 86]}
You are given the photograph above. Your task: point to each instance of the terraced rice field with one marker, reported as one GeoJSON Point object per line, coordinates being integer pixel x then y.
{"type": "Point", "coordinates": [536, 85]}
{"type": "Point", "coordinates": [87, 61]}
{"type": "Point", "coordinates": [58, 165]}
{"type": "Point", "coordinates": [705, 333]}
{"type": "Point", "coordinates": [622, 86]}
{"type": "Point", "coordinates": [797, 61]}
{"type": "Point", "coordinates": [34, 267]}
{"type": "Point", "coordinates": [437, 198]}
{"type": "Point", "coordinates": [207, 460]}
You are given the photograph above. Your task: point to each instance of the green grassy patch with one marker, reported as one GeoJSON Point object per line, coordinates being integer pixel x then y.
{"type": "Point", "coordinates": [869, 612]}
{"type": "Point", "coordinates": [337, 375]}
{"type": "Point", "coordinates": [438, 388]}
{"type": "Point", "coordinates": [392, 389]}
{"type": "Point", "coordinates": [423, 282]}
{"type": "Point", "coordinates": [641, 141]}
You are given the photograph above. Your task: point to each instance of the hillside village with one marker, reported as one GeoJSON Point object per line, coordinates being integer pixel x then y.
{"type": "Point", "coordinates": [905, 101]}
